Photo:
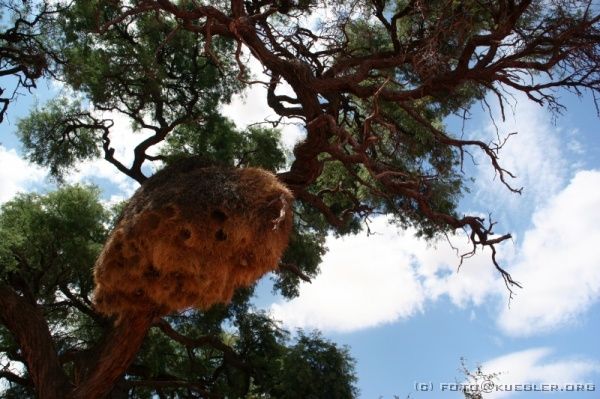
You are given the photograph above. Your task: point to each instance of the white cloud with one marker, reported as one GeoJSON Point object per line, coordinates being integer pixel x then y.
{"type": "Point", "coordinates": [476, 281]}
{"type": "Point", "coordinates": [558, 260]}
{"type": "Point", "coordinates": [16, 174]}
{"type": "Point", "coordinates": [574, 144]}
{"type": "Point", "coordinates": [91, 171]}
{"type": "Point", "coordinates": [370, 280]}
{"type": "Point", "coordinates": [251, 105]}
{"type": "Point", "coordinates": [532, 366]}
{"type": "Point", "coordinates": [533, 155]}
{"type": "Point", "coordinates": [365, 281]}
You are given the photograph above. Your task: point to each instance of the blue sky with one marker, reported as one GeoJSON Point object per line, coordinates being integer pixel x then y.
{"type": "Point", "coordinates": [398, 303]}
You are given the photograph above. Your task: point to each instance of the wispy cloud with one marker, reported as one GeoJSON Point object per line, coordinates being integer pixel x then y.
{"type": "Point", "coordinates": [558, 260]}
{"type": "Point", "coordinates": [534, 155]}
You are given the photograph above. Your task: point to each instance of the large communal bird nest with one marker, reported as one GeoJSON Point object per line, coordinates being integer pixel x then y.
{"type": "Point", "coordinates": [190, 236]}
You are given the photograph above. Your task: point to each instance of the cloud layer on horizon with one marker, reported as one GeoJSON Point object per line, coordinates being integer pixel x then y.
{"type": "Point", "coordinates": [538, 366]}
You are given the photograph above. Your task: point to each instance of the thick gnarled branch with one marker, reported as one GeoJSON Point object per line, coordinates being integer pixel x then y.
{"type": "Point", "coordinates": [25, 321]}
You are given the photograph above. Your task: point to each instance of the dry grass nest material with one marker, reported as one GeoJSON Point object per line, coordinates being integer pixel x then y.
{"type": "Point", "coordinates": [190, 236]}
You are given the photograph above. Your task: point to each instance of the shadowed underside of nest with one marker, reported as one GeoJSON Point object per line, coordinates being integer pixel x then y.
{"type": "Point", "coordinates": [190, 236]}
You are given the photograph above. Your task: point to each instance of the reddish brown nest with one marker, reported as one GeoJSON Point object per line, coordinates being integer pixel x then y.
{"type": "Point", "coordinates": [190, 236]}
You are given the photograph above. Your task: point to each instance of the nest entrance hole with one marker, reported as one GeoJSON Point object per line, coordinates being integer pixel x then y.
{"type": "Point", "coordinates": [219, 216]}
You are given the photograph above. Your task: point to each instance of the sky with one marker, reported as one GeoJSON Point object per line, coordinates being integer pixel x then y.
{"type": "Point", "coordinates": [400, 304]}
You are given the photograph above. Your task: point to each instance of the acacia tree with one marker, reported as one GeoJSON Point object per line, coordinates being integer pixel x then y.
{"type": "Point", "coordinates": [371, 84]}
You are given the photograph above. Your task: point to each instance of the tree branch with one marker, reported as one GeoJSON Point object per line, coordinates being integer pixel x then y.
{"type": "Point", "coordinates": [16, 379]}
{"type": "Point", "coordinates": [25, 321]}
{"type": "Point", "coordinates": [291, 268]}
{"type": "Point", "coordinates": [208, 340]}
{"type": "Point", "coordinates": [114, 355]}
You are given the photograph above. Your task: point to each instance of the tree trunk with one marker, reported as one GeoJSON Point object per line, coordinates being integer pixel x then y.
{"type": "Point", "coordinates": [114, 356]}
{"type": "Point", "coordinates": [28, 326]}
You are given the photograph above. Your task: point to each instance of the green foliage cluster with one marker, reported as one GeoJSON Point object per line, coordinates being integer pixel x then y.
{"type": "Point", "coordinates": [218, 141]}
{"type": "Point", "coordinates": [162, 78]}
{"type": "Point", "coordinates": [52, 240]}
{"type": "Point", "coordinates": [58, 135]}
{"type": "Point", "coordinates": [150, 70]}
